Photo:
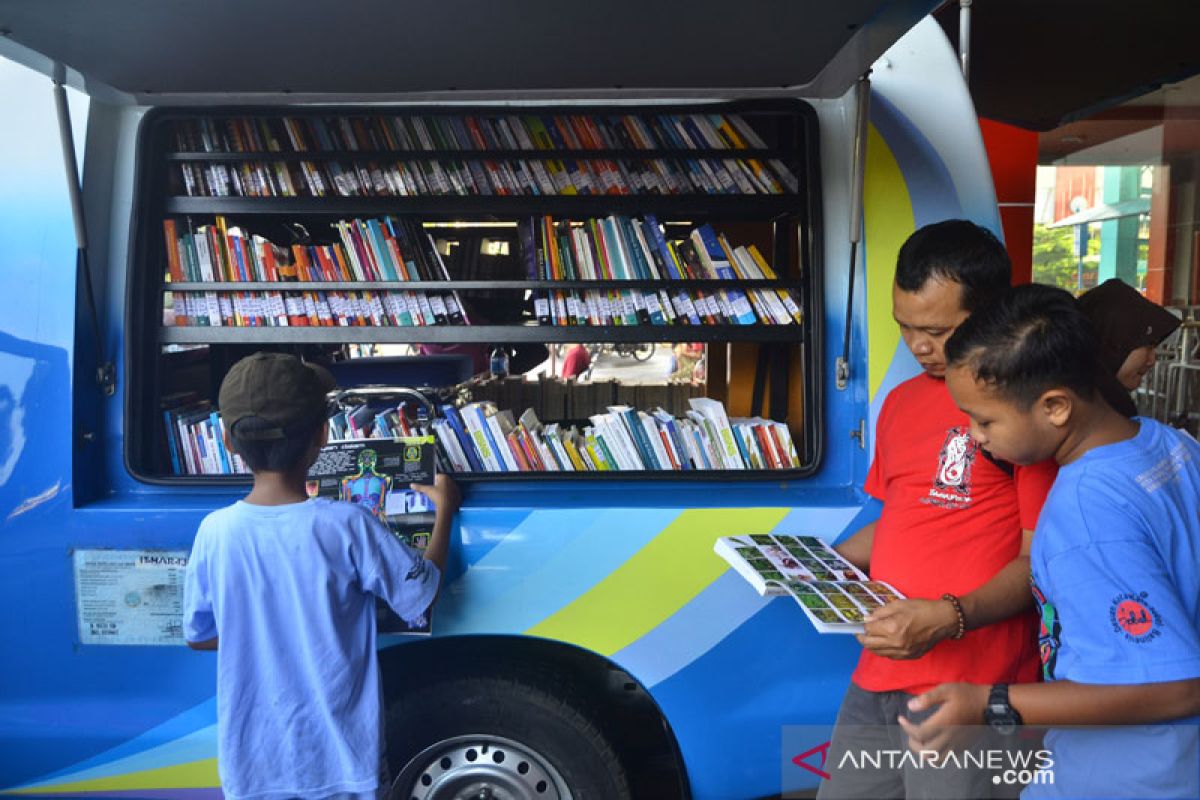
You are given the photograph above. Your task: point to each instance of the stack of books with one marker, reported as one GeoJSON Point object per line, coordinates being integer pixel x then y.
{"type": "Point", "coordinates": [501, 136]}
{"type": "Point", "coordinates": [481, 438]}
{"type": "Point", "coordinates": [626, 248]}
{"type": "Point", "coordinates": [195, 436]}
{"type": "Point", "coordinates": [371, 250]}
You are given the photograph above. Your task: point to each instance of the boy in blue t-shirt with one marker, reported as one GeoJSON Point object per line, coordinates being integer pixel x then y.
{"type": "Point", "coordinates": [287, 586]}
{"type": "Point", "coordinates": [1115, 559]}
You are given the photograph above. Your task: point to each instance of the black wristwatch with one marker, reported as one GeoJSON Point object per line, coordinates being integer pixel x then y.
{"type": "Point", "coordinates": [999, 713]}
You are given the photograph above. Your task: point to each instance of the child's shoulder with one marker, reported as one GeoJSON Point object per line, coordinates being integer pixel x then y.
{"type": "Point", "coordinates": [325, 508]}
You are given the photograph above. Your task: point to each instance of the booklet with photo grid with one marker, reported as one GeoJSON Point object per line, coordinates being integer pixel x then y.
{"type": "Point", "coordinates": [834, 594]}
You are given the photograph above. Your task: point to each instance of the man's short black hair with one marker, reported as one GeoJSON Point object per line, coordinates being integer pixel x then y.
{"type": "Point", "coordinates": [1029, 339]}
{"type": "Point", "coordinates": [955, 250]}
{"type": "Point", "coordinates": [273, 455]}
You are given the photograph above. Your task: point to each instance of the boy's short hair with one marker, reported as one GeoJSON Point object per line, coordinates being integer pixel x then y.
{"type": "Point", "coordinates": [1029, 339]}
{"type": "Point", "coordinates": [273, 405]}
{"type": "Point", "coordinates": [956, 250]}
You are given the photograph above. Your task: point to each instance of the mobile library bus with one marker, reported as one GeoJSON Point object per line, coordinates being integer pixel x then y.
{"type": "Point", "coordinates": [481, 177]}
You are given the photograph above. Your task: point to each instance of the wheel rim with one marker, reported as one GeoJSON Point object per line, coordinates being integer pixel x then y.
{"type": "Point", "coordinates": [479, 767]}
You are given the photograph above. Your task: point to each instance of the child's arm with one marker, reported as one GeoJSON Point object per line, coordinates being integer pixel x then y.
{"type": "Point", "coordinates": [199, 623]}
{"type": "Point", "coordinates": [1057, 703]}
{"type": "Point", "coordinates": [446, 498]}
{"type": "Point", "coordinates": [207, 644]}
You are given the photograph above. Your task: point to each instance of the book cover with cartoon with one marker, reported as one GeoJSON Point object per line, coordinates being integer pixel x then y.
{"type": "Point", "coordinates": [376, 473]}
{"type": "Point", "coordinates": [834, 594]}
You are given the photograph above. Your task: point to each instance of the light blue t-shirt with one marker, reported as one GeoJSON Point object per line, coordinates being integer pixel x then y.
{"type": "Point", "coordinates": [1116, 570]}
{"type": "Point", "coordinates": [291, 592]}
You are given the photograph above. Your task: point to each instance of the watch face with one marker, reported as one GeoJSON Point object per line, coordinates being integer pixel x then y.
{"type": "Point", "coordinates": [1002, 718]}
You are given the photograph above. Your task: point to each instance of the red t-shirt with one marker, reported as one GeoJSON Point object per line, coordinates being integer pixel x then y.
{"type": "Point", "coordinates": [951, 520]}
{"type": "Point", "coordinates": [576, 362]}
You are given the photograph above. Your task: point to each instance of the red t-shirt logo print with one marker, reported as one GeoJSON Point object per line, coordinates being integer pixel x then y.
{"type": "Point", "coordinates": [954, 460]}
{"type": "Point", "coordinates": [823, 749]}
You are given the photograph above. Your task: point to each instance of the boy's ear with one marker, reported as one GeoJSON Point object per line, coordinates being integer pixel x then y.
{"type": "Point", "coordinates": [1057, 406]}
{"type": "Point", "coordinates": [322, 437]}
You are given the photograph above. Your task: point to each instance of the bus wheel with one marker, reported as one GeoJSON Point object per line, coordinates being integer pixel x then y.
{"type": "Point", "coordinates": [498, 739]}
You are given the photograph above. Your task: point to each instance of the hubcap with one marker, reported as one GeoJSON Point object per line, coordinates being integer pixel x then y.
{"type": "Point", "coordinates": [479, 767]}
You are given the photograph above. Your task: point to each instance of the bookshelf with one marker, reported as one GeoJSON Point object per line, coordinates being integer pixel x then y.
{"type": "Point", "coordinates": [749, 171]}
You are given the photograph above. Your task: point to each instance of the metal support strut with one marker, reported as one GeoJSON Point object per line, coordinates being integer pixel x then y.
{"type": "Point", "coordinates": [858, 170]}
{"type": "Point", "coordinates": [106, 376]}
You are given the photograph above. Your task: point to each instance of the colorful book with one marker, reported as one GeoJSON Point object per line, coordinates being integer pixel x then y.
{"type": "Point", "coordinates": [834, 594]}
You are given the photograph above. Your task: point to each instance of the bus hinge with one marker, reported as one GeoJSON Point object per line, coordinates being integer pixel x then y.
{"type": "Point", "coordinates": [860, 434]}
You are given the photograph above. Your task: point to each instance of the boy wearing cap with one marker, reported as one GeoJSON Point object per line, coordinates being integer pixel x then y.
{"type": "Point", "coordinates": [286, 586]}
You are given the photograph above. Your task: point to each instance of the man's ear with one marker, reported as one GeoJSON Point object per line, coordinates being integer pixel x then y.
{"type": "Point", "coordinates": [1057, 405]}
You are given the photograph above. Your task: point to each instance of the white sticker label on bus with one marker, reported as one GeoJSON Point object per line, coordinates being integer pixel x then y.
{"type": "Point", "coordinates": [130, 597]}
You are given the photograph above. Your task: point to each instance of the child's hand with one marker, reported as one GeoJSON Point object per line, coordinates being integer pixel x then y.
{"type": "Point", "coordinates": [443, 493]}
{"type": "Point", "coordinates": [957, 713]}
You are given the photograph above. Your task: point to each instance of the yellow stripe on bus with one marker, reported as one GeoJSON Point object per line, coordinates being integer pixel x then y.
{"type": "Point", "coordinates": [193, 775]}
{"type": "Point", "coordinates": [888, 212]}
{"type": "Point", "coordinates": [657, 581]}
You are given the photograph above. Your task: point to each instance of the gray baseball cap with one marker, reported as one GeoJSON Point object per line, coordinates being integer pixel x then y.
{"type": "Point", "coordinates": [277, 388]}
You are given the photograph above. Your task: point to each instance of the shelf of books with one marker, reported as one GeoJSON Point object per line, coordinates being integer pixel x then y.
{"type": "Point", "coordinates": [480, 439]}
{"type": "Point", "coordinates": [560, 152]}
{"type": "Point", "coordinates": [335, 231]}
{"type": "Point", "coordinates": [224, 277]}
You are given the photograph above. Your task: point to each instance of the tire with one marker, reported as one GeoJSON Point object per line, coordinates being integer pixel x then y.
{"type": "Point", "coordinates": [643, 352]}
{"type": "Point", "coordinates": [498, 737]}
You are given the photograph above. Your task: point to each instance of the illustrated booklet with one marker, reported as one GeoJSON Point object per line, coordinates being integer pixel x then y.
{"type": "Point", "coordinates": [834, 594]}
{"type": "Point", "coordinates": [376, 473]}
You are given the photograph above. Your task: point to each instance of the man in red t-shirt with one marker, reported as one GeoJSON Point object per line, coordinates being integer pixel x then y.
{"type": "Point", "coordinates": [953, 535]}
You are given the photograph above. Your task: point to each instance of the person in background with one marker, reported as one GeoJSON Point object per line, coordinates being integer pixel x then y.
{"type": "Point", "coordinates": [575, 362]}
{"type": "Point", "coordinates": [1128, 328]}
{"type": "Point", "coordinates": [686, 356]}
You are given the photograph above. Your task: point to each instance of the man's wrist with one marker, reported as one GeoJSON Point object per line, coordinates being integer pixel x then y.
{"type": "Point", "coordinates": [955, 624]}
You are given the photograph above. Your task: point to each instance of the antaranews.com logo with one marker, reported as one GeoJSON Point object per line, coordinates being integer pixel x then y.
{"type": "Point", "coordinates": [806, 763]}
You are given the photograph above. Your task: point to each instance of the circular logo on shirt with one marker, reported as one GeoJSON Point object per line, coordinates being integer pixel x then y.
{"type": "Point", "coordinates": [1134, 618]}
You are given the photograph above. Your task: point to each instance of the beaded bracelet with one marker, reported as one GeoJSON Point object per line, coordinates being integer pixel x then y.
{"type": "Point", "coordinates": [962, 618]}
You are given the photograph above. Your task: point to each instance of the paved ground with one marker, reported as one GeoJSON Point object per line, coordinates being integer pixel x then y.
{"type": "Point", "coordinates": [625, 368]}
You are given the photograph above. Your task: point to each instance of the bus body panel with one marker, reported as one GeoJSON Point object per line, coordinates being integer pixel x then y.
{"type": "Point", "coordinates": [622, 570]}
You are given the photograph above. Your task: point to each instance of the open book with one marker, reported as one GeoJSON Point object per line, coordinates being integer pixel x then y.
{"type": "Point", "coordinates": [375, 474]}
{"type": "Point", "coordinates": [834, 594]}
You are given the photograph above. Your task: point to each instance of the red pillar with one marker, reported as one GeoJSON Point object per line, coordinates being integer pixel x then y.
{"type": "Point", "coordinates": [1013, 154]}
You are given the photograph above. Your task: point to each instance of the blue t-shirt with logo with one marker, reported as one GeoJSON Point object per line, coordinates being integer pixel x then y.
{"type": "Point", "coordinates": [1116, 571]}
{"type": "Point", "coordinates": [290, 590]}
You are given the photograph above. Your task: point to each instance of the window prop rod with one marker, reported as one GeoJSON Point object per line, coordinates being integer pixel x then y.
{"type": "Point", "coordinates": [106, 375]}
{"type": "Point", "coordinates": [858, 170]}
